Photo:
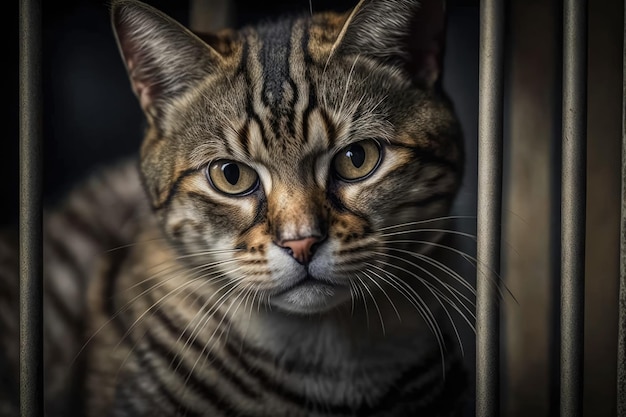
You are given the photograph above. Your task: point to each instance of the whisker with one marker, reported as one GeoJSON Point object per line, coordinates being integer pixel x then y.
{"type": "Point", "coordinates": [125, 307]}
{"type": "Point", "coordinates": [452, 321]}
{"type": "Point", "coordinates": [201, 354]}
{"type": "Point", "coordinates": [380, 316]}
{"type": "Point", "coordinates": [443, 268]}
{"type": "Point", "coordinates": [179, 267]}
{"type": "Point", "coordinates": [440, 294]}
{"type": "Point", "coordinates": [415, 299]}
{"type": "Point", "coordinates": [453, 232]}
{"type": "Point", "coordinates": [471, 236]}
{"type": "Point", "coordinates": [422, 280]}
{"type": "Point", "coordinates": [201, 268]}
{"type": "Point", "coordinates": [211, 252]}
{"type": "Point", "coordinates": [243, 296]}
{"type": "Point", "coordinates": [352, 295]}
{"type": "Point", "coordinates": [434, 289]}
{"type": "Point", "coordinates": [237, 284]}
{"type": "Point", "coordinates": [114, 316]}
{"type": "Point", "coordinates": [498, 283]}
{"type": "Point", "coordinates": [245, 333]}
{"type": "Point", "coordinates": [208, 314]}
{"type": "Point", "coordinates": [153, 310]}
{"type": "Point", "coordinates": [129, 245]}
{"type": "Point", "coordinates": [348, 79]}
{"type": "Point", "coordinates": [360, 290]}
{"type": "Point", "coordinates": [385, 293]}
{"type": "Point", "coordinates": [434, 219]}
{"type": "Point", "coordinates": [247, 293]}
{"type": "Point", "coordinates": [202, 322]}
{"type": "Point", "coordinates": [174, 265]}
{"type": "Point", "coordinates": [167, 295]}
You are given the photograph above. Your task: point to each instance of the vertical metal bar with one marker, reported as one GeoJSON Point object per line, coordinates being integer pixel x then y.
{"type": "Point", "coordinates": [31, 300]}
{"type": "Point", "coordinates": [621, 341]}
{"type": "Point", "coordinates": [491, 69]}
{"type": "Point", "coordinates": [573, 199]}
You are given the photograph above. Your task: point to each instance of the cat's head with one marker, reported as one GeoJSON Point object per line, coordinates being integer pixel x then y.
{"type": "Point", "coordinates": [282, 157]}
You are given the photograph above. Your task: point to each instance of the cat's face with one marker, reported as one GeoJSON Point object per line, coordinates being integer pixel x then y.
{"type": "Point", "coordinates": [278, 158]}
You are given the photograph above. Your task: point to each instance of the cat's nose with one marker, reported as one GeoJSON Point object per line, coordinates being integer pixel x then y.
{"type": "Point", "coordinates": [301, 249]}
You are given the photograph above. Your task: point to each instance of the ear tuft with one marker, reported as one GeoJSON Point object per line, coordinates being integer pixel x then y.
{"type": "Point", "coordinates": [163, 58]}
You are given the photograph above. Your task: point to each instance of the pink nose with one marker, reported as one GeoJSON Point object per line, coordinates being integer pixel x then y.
{"type": "Point", "coordinates": [301, 249]}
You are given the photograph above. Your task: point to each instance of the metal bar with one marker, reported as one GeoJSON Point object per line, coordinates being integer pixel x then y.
{"type": "Point", "coordinates": [621, 340]}
{"type": "Point", "coordinates": [491, 76]}
{"type": "Point", "coordinates": [31, 285]}
{"type": "Point", "coordinates": [573, 199]}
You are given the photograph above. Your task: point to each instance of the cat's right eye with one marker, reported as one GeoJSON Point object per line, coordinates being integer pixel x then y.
{"type": "Point", "coordinates": [357, 161]}
{"type": "Point", "coordinates": [232, 178]}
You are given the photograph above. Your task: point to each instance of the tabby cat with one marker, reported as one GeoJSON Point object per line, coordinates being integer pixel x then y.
{"type": "Point", "coordinates": [271, 252]}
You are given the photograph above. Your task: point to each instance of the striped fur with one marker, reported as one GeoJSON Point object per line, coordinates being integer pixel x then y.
{"type": "Point", "coordinates": [179, 299]}
{"type": "Point", "coordinates": [98, 216]}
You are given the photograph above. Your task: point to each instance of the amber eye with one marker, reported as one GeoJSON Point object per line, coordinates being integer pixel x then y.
{"type": "Point", "coordinates": [232, 177]}
{"type": "Point", "coordinates": [358, 160]}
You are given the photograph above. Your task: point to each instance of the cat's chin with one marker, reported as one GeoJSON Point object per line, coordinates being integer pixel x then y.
{"type": "Point", "coordinates": [310, 297]}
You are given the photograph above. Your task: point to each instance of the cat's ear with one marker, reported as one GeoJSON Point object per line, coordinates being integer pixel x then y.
{"type": "Point", "coordinates": [406, 33]}
{"type": "Point", "coordinates": [163, 58]}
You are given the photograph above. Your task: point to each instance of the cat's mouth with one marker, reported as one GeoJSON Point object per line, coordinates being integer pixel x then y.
{"type": "Point", "coordinates": [308, 282]}
{"type": "Point", "coordinates": [310, 295]}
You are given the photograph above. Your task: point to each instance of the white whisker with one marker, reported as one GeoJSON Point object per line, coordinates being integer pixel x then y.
{"type": "Point", "coordinates": [385, 293]}
{"type": "Point", "coordinates": [434, 219]}
{"type": "Point", "coordinates": [497, 283]}
{"type": "Point", "coordinates": [380, 316]}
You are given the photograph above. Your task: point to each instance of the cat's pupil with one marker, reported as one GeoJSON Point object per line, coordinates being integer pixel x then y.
{"type": "Point", "coordinates": [231, 172]}
{"type": "Point", "coordinates": [357, 154]}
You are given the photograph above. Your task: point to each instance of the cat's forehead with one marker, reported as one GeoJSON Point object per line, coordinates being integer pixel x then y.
{"type": "Point", "coordinates": [285, 104]}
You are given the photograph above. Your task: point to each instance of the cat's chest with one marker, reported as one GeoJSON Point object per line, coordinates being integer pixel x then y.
{"type": "Point", "coordinates": [299, 376]}
{"type": "Point", "coordinates": [252, 382]}
{"type": "Point", "coordinates": [321, 372]}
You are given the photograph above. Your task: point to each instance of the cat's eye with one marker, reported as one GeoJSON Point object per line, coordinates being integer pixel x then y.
{"type": "Point", "coordinates": [358, 160]}
{"type": "Point", "coordinates": [233, 178]}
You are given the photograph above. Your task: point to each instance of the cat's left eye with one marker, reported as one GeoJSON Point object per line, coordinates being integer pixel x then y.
{"type": "Point", "coordinates": [358, 160]}
{"type": "Point", "coordinates": [233, 178]}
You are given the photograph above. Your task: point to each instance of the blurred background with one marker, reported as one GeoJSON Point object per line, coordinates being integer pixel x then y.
{"type": "Point", "coordinates": [91, 119]}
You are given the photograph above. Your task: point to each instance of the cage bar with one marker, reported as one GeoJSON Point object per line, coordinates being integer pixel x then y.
{"type": "Point", "coordinates": [621, 338]}
{"type": "Point", "coordinates": [30, 228]}
{"type": "Point", "coordinates": [492, 21]}
{"type": "Point", "coordinates": [573, 199]}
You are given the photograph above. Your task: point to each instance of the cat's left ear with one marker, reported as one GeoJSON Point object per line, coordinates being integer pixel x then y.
{"type": "Point", "coordinates": [406, 33]}
{"type": "Point", "coordinates": [163, 58]}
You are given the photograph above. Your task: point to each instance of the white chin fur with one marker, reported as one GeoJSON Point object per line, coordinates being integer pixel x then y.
{"type": "Point", "coordinates": [310, 298]}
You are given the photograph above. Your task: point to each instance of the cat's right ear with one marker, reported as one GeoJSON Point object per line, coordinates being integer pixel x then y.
{"type": "Point", "coordinates": [162, 57]}
{"type": "Point", "coordinates": [408, 34]}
